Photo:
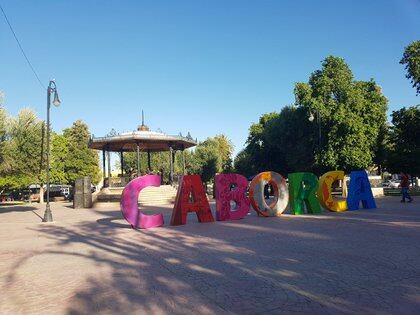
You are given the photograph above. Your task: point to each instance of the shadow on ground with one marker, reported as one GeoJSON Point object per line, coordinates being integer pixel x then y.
{"type": "Point", "coordinates": [18, 207]}
{"type": "Point", "coordinates": [360, 261]}
{"type": "Point", "coordinates": [4, 208]}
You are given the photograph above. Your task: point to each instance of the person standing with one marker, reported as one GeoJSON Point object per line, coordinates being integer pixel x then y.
{"type": "Point", "coordinates": [267, 191]}
{"type": "Point", "coordinates": [405, 186]}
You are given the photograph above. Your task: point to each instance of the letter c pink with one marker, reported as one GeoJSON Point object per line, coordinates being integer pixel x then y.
{"type": "Point", "coordinates": [129, 203]}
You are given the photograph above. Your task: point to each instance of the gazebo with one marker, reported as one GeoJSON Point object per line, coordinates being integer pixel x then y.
{"type": "Point", "coordinates": [140, 140]}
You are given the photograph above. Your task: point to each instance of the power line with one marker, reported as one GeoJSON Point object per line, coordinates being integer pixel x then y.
{"type": "Point", "coordinates": [21, 48]}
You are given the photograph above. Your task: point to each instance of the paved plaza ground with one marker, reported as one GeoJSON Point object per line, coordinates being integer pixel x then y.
{"type": "Point", "coordinates": [90, 261]}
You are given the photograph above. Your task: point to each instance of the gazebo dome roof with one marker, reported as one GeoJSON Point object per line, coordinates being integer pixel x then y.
{"type": "Point", "coordinates": [146, 140]}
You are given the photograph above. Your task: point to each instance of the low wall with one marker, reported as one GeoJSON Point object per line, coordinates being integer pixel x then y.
{"type": "Point", "coordinates": [377, 191]}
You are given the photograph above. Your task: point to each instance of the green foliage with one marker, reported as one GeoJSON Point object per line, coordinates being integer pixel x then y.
{"type": "Point", "coordinates": [244, 163]}
{"type": "Point", "coordinates": [58, 159]}
{"type": "Point", "coordinates": [207, 162]}
{"type": "Point", "coordinates": [23, 152]}
{"type": "Point", "coordinates": [404, 155]}
{"type": "Point", "coordinates": [21, 149]}
{"type": "Point", "coordinates": [210, 157]}
{"type": "Point", "coordinates": [3, 139]}
{"type": "Point", "coordinates": [159, 162]}
{"type": "Point", "coordinates": [79, 159]}
{"type": "Point", "coordinates": [281, 142]}
{"type": "Point", "coordinates": [225, 148]}
{"type": "Point", "coordinates": [352, 118]}
{"type": "Point", "coordinates": [352, 115]}
{"type": "Point", "coordinates": [411, 60]}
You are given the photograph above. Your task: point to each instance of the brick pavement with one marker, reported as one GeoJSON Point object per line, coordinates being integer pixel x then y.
{"type": "Point", "coordinates": [89, 261]}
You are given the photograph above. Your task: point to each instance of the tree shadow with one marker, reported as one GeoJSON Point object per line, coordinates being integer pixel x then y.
{"type": "Point", "coordinates": [255, 265]}
{"type": "Point", "coordinates": [16, 208]}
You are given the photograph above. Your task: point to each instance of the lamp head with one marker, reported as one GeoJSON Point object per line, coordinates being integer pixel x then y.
{"type": "Point", "coordinates": [56, 102]}
{"type": "Point", "coordinates": [311, 117]}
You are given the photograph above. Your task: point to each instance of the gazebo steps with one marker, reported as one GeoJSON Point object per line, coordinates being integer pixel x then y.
{"type": "Point", "coordinates": [164, 194]}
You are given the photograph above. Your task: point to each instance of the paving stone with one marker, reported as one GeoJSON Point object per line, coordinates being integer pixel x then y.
{"type": "Point", "coordinates": [90, 261]}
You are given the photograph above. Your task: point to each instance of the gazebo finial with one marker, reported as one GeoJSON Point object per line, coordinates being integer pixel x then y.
{"type": "Point", "coordinates": [142, 127]}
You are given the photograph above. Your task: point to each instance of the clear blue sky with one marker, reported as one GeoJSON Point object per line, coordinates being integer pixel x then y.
{"type": "Point", "coordinates": [207, 67]}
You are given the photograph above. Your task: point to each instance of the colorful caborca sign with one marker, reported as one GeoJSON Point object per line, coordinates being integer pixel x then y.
{"type": "Point", "coordinates": [305, 192]}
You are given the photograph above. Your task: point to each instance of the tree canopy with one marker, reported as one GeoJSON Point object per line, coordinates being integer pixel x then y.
{"type": "Point", "coordinates": [404, 155]}
{"type": "Point", "coordinates": [159, 161]}
{"type": "Point", "coordinates": [211, 156]}
{"type": "Point", "coordinates": [352, 115]}
{"type": "Point", "coordinates": [281, 142]}
{"type": "Point", "coordinates": [411, 61]}
{"type": "Point", "coordinates": [23, 149]}
{"type": "Point", "coordinates": [79, 160]}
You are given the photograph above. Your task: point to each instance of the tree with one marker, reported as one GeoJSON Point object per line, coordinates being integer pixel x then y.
{"type": "Point", "coordinates": [256, 144]}
{"type": "Point", "coordinates": [159, 161]}
{"type": "Point", "coordinates": [243, 163]}
{"type": "Point", "coordinates": [79, 160]}
{"type": "Point", "coordinates": [58, 158]}
{"type": "Point", "coordinates": [282, 142]}
{"type": "Point", "coordinates": [352, 121]}
{"type": "Point", "coordinates": [224, 148]}
{"type": "Point", "coordinates": [411, 60]}
{"type": "Point", "coordinates": [211, 156]}
{"type": "Point", "coordinates": [353, 113]}
{"type": "Point", "coordinates": [207, 162]}
{"type": "Point", "coordinates": [404, 155]}
{"type": "Point", "coordinates": [21, 150]}
{"type": "Point", "coordinates": [3, 138]}
{"type": "Point", "coordinates": [214, 155]}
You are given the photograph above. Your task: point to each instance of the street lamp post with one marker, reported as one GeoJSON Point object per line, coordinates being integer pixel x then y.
{"type": "Point", "coordinates": [318, 120]}
{"type": "Point", "coordinates": [52, 88]}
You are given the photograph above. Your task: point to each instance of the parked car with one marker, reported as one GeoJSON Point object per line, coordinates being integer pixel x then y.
{"type": "Point", "coordinates": [394, 184]}
{"type": "Point", "coordinates": [6, 196]}
{"type": "Point", "coordinates": [386, 183]}
{"type": "Point", "coordinates": [16, 195]}
{"type": "Point", "coordinates": [65, 191]}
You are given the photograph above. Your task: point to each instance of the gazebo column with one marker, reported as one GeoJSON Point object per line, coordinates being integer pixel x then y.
{"type": "Point", "coordinates": [138, 159]}
{"type": "Point", "coordinates": [122, 163]}
{"type": "Point", "coordinates": [171, 166]}
{"type": "Point", "coordinates": [173, 161]}
{"type": "Point", "coordinates": [103, 166]}
{"type": "Point", "coordinates": [183, 161]}
{"type": "Point", "coordinates": [109, 168]}
{"type": "Point", "coordinates": [148, 160]}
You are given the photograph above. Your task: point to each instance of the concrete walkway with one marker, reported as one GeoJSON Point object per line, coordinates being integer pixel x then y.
{"type": "Point", "coordinates": [90, 261]}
